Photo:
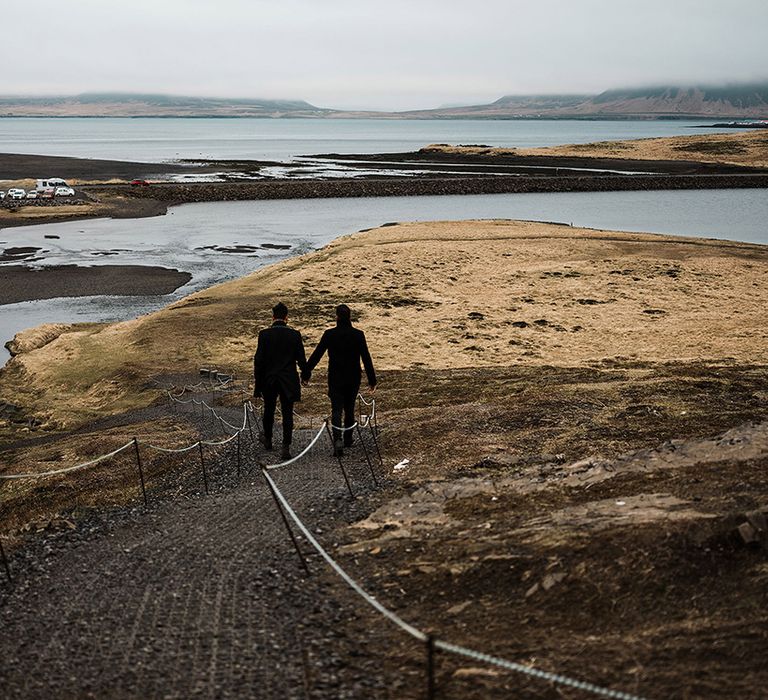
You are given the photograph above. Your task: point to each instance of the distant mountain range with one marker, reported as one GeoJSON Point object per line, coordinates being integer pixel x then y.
{"type": "Point", "coordinates": [736, 102]}
{"type": "Point", "coordinates": [664, 102]}
{"type": "Point", "coordinates": [118, 104]}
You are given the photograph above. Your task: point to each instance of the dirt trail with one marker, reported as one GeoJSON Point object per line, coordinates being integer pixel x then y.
{"type": "Point", "coordinates": [195, 597]}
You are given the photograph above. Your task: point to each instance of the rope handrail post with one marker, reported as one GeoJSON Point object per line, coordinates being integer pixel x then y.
{"type": "Point", "coordinates": [433, 644]}
{"type": "Point", "coordinates": [250, 427]}
{"type": "Point", "coordinates": [285, 521]}
{"type": "Point", "coordinates": [239, 458]}
{"type": "Point", "coordinates": [5, 562]}
{"type": "Point", "coordinates": [141, 470]}
{"type": "Point", "coordinates": [376, 443]}
{"type": "Point", "coordinates": [431, 686]}
{"type": "Point", "coordinates": [202, 464]}
{"type": "Point", "coordinates": [341, 464]}
{"type": "Point", "coordinates": [367, 456]}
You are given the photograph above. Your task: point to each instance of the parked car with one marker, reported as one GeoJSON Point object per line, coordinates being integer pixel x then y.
{"type": "Point", "coordinates": [64, 192]}
{"type": "Point", "coordinates": [139, 183]}
{"type": "Point", "coordinates": [2, 195]}
{"type": "Point", "coordinates": [31, 194]}
{"type": "Point", "coordinates": [16, 193]}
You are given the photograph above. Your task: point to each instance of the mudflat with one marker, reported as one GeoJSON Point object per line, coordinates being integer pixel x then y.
{"type": "Point", "coordinates": [22, 283]}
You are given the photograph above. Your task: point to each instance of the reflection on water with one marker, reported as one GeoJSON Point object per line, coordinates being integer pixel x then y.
{"type": "Point", "coordinates": [196, 237]}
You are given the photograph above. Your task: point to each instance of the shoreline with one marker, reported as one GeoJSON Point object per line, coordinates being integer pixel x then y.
{"type": "Point", "coordinates": [126, 202]}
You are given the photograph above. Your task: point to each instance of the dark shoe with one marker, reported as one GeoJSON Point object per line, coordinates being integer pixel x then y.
{"type": "Point", "coordinates": [348, 441]}
{"type": "Point", "coordinates": [267, 443]}
{"type": "Point", "coordinates": [338, 448]}
{"type": "Point", "coordinates": [285, 452]}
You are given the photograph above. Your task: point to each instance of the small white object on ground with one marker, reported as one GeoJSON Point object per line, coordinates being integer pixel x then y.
{"type": "Point", "coordinates": [401, 465]}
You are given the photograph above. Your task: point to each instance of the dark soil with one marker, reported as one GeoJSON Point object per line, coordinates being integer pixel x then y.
{"type": "Point", "coordinates": [21, 283]}
{"type": "Point", "coordinates": [18, 166]}
{"type": "Point", "coordinates": [549, 164]}
{"type": "Point", "coordinates": [530, 558]}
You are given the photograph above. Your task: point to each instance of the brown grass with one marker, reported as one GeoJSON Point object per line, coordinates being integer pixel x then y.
{"type": "Point", "coordinates": [739, 148]}
{"type": "Point", "coordinates": [434, 295]}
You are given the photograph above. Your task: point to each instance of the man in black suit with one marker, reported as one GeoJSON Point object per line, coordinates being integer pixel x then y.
{"type": "Point", "coordinates": [346, 347]}
{"type": "Point", "coordinates": [279, 350]}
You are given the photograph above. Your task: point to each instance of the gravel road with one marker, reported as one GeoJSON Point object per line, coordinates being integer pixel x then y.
{"type": "Point", "coordinates": [195, 596]}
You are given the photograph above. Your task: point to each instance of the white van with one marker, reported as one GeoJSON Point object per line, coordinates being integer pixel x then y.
{"type": "Point", "coordinates": [50, 184]}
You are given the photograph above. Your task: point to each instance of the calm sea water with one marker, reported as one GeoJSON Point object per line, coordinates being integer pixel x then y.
{"type": "Point", "coordinates": [160, 140]}
{"type": "Point", "coordinates": [183, 237]}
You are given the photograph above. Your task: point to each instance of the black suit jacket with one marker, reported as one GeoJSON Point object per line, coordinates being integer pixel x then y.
{"type": "Point", "coordinates": [346, 347]}
{"type": "Point", "coordinates": [278, 351]}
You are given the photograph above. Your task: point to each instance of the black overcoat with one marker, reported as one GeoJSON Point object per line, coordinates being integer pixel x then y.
{"type": "Point", "coordinates": [346, 348]}
{"type": "Point", "coordinates": [279, 349]}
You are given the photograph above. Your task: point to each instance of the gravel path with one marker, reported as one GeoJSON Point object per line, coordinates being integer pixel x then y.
{"type": "Point", "coordinates": [195, 596]}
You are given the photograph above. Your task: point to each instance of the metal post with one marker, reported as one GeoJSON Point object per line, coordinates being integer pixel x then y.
{"type": "Point", "coordinates": [141, 470]}
{"type": "Point", "coordinates": [250, 427]}
{"type": "Point", "coordinates": [285, 521]}
{"type": "Point", "coordinates": [202, 463]}
{"type": "Point", "coordinates": [238, 455]}
{"type": "Point", "coordinates": [430, 667]}
{"type": "Point", "coordinates": [341, 464]}
{"type": "Point", "coordinates": [5, 562]}
{"type": "Point", "coordinates": [367, 457]}
{"type": "Point", "coordinates": [376, 444]}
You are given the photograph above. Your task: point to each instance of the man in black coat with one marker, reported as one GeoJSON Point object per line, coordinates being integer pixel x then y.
{"type": "Point", "coordinates": [279, 350]}
{"type": "Point", "coordinates": [346, 347]}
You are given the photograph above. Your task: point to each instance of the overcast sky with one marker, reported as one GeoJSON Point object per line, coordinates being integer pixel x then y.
{"type": "Point", "coordinates": [379, 54]}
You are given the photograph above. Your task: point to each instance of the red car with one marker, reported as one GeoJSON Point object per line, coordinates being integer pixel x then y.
{"type": "Point", "coordinates": [139, 183]}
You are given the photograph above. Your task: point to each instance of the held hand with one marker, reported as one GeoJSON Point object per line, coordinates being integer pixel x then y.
{"type": "Point", "coordinates": [305, 382]}
{"type": "Point", "coordinates": [371, 388]}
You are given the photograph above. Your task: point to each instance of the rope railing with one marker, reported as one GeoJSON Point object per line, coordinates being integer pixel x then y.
{"type": "Point", "coordinates": [301, 454]}
{"type": "Point", "coordinates": [64, 470]}
{"type": "Point", "coordinates": [285, 507]}
{"type": "Point", "coordinates": [108, 455]}
{"type": "Point", "coordinates": [212, 443]}
{"type": "Point", "coordinates": [431, 641]}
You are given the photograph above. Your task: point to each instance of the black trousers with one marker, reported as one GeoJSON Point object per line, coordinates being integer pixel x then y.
{"type": "Point", "coordinates": [286, 408]}
{"type": "Point", "coordinates": [343, 399]}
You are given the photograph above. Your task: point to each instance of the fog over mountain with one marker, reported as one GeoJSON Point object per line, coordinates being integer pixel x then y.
{"type": "Point", "coordinates": [725, 101]}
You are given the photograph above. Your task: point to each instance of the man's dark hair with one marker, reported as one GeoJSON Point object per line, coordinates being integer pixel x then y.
{"type": "Point", "coordinates": [280, 311]}
{"type": "Point", "coordinates": [343, 313]}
